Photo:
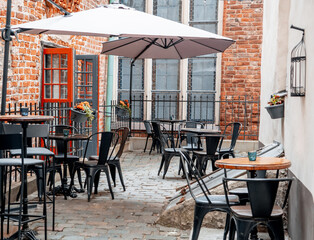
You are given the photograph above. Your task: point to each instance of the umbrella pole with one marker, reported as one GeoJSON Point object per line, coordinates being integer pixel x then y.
{"type": "Point", "coordinates": [6, 36]}
{"type": "Point", "coordinates": [130, 94]}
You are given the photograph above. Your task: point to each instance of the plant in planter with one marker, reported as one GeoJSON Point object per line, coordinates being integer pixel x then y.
{"type": "Point", "coordinates": [83, 112]}
{"type": "Point", "coordinates": [124, 106]}
{"type": "Point", "coordinates": [276, 107]}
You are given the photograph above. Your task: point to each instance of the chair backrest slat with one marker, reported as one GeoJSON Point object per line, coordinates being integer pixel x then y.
{"type": "Point", "coordinates": [105, 143]}
{"type": "Point", "coordinates": [11, 141]}
{"type": "Point", "coordinates": [159, 135]}
{"type": "Point", "coordinates": [212, 144]}
{"type": "Point", "coordinates": [148, 127]}
{"type": "Point", "coordinates": [235, 129]}
{"type": "Point", "coordinates": [262, 193]}
{"type": "Point", "coordinates": [123, 134]}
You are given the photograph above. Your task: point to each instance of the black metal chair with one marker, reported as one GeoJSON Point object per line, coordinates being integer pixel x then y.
{"type": "Point", "coordinates": [261, 210]}
{"type": "Point", "coordinates": [41, 132]}
{"type": "Point", "coordinates": [150, 134]}
{"type": "Point", "coordinates": [206, 202]}
{"type": "Point", "coordinates": [202, 157]}
{"type": "Point", "coordinates": [191, 140]}
{"type": "Point", "coordinates": [167, 152]}
{"type": "Point", "coordinates": [93, 168]}
{"type": "Point", "coordinates": [114, 162]}
{"type": "Point", "coordinates": [9, 142]}
{"type": "Point", "coordinates": [235, 128]}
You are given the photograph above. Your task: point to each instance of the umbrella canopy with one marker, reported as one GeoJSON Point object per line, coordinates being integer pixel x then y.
{"type": "Point", "coordinates": [121, 21]}
{"type": "Point", "coordinates": [165, 48]}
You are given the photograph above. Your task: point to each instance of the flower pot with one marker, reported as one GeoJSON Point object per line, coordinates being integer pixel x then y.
{"type": "Point", "coordinates": [122, 112]}
{"type": "Point", "coordinates": [78, 116]}
{"type": "Point", "coordinates": [276, 111]}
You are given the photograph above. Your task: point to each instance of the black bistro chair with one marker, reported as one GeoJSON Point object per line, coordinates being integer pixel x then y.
{"type": "Point", "coordinates": [260, 210]}
{"type": "Point", "coordinates": [206, 202]}
{"type": "Point", "coordinates": [10, 142]}
{"type": "Point", "coordinates": [167, 152]}
{"type": "Point", "coordinates": [93, 168]}
{"type": "Point", "coordinates": [191, 139]}
{"type": "Point", "coordinates": [150, 134]}
{"type": "Point", "coordinates": [202, 157]}
{"type": "Point", "coordinates": [38, 132]}
{"type": "Point", "coordinates": [114, 161]}
{"type": "Point", "coordinates": [235, 128]}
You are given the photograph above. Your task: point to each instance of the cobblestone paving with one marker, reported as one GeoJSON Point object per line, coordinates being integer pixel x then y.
{"type": "Point", "coordinates": [131, 215]}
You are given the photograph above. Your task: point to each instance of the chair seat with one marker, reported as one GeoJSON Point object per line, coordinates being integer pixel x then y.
{"type": "Point", "coordinates": [68, 156]}
{"type": "Point", "coordinates": [33, 152]}
{"type": "Point", "coordinates": [246, 212]}
{"type": "Point", "coordinates": [87, 164]}
{"type": "Point", "coordinates": [191, 147]}
{"type": "Point", "coordinates": [93, 157]}
{"type": "Point", "coordinates": [218, 200]}
{"type": "Point", "coordinates": [238, 191]}
{"type": "Point", "coordinates": [225, 150]}
{"type": "Point", "coordinates": [18, 161]}
{"type": "Point", "coordinates": [172, 150]}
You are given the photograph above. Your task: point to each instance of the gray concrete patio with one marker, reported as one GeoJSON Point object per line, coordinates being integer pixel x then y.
{"type": "Point", "coordinates": [131, 215]}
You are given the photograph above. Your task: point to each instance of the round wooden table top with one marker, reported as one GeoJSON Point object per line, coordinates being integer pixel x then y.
{"type": "Point", "coordinates": [261, 163]}
{"type": "Point", "coordinates": [70, 137]}
{"type": "Point", "coordinates": [28, 119]}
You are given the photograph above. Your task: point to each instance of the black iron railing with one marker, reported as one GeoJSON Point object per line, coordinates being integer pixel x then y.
{"type": "Point", "coordinates": [202, 108]}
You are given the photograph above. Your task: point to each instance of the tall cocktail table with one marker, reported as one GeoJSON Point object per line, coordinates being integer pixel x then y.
{"type": "Point", "coordinates": [24, 121]}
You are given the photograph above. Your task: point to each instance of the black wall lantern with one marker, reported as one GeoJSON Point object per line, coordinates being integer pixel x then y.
{"type": "Point", "coordinates": [298, 67]}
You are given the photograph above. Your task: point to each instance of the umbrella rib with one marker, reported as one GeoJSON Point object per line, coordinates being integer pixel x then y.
{"type": "Point", "coordinates": [206, 45]}
{"type": "Point", "coordinates": [175, 47]}
{"type": "Point", "coordinates": [148, 46]}
{"type": "Point", "coordinates": [138, 39]}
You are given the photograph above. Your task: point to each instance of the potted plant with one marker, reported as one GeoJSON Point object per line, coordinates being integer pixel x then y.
{"type": "Point", "coordinates": [276, 107]}
{"type": "Point", "coordinates": [123, 108]}
{"type": "Point", "coordinates": [83, 112]}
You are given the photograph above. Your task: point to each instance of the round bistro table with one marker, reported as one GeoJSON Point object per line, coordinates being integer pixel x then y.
{"type": "Point", "coordinates": [261, 163]}
{"type": "Point", "coordinates": [172, 122]}
{"type": "Point", "coordinates": [66, 189]}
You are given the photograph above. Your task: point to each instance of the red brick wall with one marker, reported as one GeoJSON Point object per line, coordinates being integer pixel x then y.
{"type": "Point", "coordinates": [243, 22]}
{"type": "Point", "coordinates": [25, 57]}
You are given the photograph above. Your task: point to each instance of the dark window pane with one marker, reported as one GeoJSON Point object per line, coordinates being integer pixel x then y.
{"type": "Point", "coordinates": [48, 61]}
{"type": "Point", "coordinates": [137, 4]}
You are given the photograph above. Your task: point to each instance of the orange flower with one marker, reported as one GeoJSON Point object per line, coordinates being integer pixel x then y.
{"type": "Point", "coordinates": [126, 101]}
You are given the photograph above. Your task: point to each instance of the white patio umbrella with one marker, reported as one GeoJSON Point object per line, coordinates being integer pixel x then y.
{"type": "Point", "coordinates": [151, 36]}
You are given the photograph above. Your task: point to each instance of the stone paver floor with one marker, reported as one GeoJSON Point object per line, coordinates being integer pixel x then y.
{"type": "Point", "coordinates": [131, 215]}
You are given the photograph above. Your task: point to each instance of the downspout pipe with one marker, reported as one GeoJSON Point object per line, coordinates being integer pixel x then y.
{"type": "Point", "coordinates": [6, 35]}
{"type": "Point", "coordinates": [109, 93]}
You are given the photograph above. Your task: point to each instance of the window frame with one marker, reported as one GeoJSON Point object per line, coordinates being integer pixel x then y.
{"type": "Point", "coordinates": [59, 51]}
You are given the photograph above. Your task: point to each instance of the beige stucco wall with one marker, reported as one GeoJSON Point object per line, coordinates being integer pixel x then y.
{"type": "Point", "coordinates": [296, 129]}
